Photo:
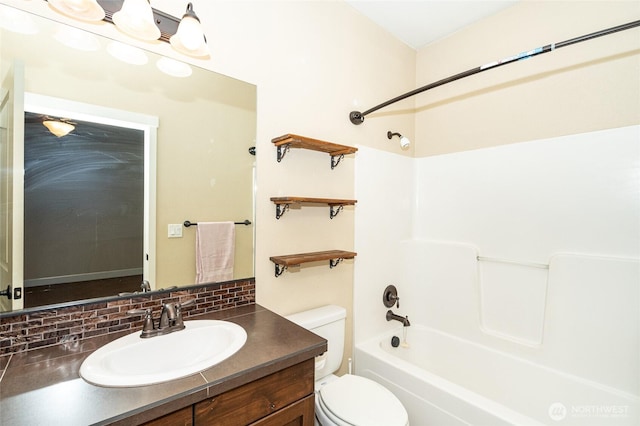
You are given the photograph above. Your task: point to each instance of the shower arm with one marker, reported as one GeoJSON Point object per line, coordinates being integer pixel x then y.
{"type": "Point", "coordinates": [357, 117]}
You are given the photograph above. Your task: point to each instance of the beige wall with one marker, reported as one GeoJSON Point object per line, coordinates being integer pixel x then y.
{"type": "Point", "coordinates": [580, 88]}
{"type": "Point", "coordinates": [313, 63]}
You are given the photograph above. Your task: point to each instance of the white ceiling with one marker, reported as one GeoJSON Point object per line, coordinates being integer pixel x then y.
{"type": "Point", "coordinates": [420, 22]}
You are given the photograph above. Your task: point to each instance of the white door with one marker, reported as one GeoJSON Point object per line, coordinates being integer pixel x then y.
{"type": "Point", "coordinates": [11, 188]}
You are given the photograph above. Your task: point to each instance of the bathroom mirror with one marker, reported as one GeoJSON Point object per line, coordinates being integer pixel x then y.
{"type": "Point", "coordinates": [206, 123]}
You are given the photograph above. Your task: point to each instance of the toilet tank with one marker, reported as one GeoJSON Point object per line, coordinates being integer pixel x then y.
{"type": "Point", "coordinates": [327, 322]}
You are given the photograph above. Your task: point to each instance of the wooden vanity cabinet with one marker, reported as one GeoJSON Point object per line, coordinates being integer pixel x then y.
{"type": "Point", "coordinates": [284, 398]}
{"type": "Point", "coordinates": [274, 395]}
{"type": "Point", "coordinates": [182, 417]}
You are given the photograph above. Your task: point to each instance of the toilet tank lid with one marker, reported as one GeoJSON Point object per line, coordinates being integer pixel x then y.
{"type": "Point", "coordinates": [319, 316]}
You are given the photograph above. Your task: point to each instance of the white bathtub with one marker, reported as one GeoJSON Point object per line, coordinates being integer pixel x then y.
{"type": "Point", "coordinates": [443, 380]}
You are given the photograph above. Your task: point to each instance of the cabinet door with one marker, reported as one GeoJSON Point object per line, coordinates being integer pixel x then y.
{"type": "Point", "coordinates": [258, 399]}
{"type": "Point", "coordinates": [182, 417]}
{"type": "Point", "coordinates": [297, 414]}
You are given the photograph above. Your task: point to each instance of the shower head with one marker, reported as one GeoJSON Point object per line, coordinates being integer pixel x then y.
{"type": "Point", "coordinates": [404, 141]}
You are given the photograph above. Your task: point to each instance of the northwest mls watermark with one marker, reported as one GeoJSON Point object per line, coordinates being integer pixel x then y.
{"type": "Point", "coordinates": [559, 412]}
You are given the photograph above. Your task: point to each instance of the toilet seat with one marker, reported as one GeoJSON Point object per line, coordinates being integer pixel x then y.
{"type": "Point", "coordinates": [358, 401]}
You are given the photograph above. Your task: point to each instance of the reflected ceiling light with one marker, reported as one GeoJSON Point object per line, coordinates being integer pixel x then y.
{"type": "Point", "coordinates": [59, 128]}
{"type": "Point", "coordinates": [126, 53]}
{"type": "Point", "coordinates": [404, 141]}
{"type": "Point", "coordinates": [17, 21]}
{"type": "Point", "coordinates": [86, 10]}
{"type": "Point", "coordinates": [173, 68]}
{"type": "Point", "coordinates": [136, 19]}
{"type": "Point", "coordinates": [190, 39]}
{"type": "Point", "coordinates": [76, 38]}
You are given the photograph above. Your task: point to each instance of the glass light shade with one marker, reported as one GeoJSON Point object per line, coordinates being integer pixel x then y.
{"type": "Point", "coordinates": [58, 128]}
{"type": "Point", "coordinates": [136, 19]}
{"type": "Point", "coordinates": [86, 10]}
{"type": "Point", "coordinates": [189, 38]}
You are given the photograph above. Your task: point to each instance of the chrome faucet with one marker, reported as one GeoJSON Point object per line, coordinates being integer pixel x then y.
{"type": "Point", "coordinates": [170, 319]}
{"type": "Point", "coordinates": [404, 320]}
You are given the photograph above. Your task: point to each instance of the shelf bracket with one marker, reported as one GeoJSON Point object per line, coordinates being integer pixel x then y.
{"type": "Point", "coordinates": [280, 269]}
{"type": "Point", "coordinates": [334, 262]}
{"type": "Point", "coordinates": [333, 211]}
{"type": "Point", "coordinates": [334, 162]}
{"type": "Point", "coordinates": [281, 209]}
{"type": "Point", "coordinates": [282, 151]}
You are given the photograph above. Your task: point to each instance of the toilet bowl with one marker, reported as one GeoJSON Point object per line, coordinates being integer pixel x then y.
{"type": "Point", "coordinates": [348, 400]}
{"type": "Point", "coordinates": [353, 400]}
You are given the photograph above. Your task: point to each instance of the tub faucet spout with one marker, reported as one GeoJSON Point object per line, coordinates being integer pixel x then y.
{"type": "Point", "coordinates": [404, 320]}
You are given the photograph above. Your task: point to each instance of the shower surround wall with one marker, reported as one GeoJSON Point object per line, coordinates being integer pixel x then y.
{"type": "Point", "coordinates": [565, 209]}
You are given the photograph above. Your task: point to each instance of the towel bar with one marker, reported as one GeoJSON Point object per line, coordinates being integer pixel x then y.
{"type": "Point", "coordinates": [245, 222]}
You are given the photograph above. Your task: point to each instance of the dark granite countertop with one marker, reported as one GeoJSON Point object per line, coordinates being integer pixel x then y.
{"type": "Point", "coordinates": [44, 387]}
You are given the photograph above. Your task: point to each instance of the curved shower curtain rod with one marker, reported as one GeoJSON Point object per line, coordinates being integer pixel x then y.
{"type": "Point", "coordinates": [357, 117]}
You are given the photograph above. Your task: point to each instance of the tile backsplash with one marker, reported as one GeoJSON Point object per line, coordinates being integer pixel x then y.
{"type": "Point", "coordinates": [48, 327]}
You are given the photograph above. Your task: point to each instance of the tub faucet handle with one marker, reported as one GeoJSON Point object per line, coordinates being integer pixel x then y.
{"type": "Point", "coordinates": [390, 297]}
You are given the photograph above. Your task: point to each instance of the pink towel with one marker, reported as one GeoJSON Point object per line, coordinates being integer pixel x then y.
{"type": "Point", "coordinates": [215, 246]}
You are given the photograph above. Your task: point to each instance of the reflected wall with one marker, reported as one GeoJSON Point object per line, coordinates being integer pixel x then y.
{"type": "Point", "coordinates": [206, 127]}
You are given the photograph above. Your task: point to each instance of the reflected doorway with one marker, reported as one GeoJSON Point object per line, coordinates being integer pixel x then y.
{"type": "Point", "coordinates": [83, 210]}
{"type": "Point", "coordinates": [89, 201]}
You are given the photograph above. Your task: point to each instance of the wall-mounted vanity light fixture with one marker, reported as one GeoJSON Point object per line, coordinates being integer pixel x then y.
{"type": "Point", "coordinates": [404, 141]}
{"type": "Point", "coordinates": [138, 19]}
{"type": "Point", "coordinates": [58, 127]}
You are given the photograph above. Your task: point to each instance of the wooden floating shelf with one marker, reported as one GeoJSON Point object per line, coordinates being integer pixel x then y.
{"type": "Point", "coordinates": [335, 204]}
{"type": "Point", "coordinates": [333, 256]}
{"type": "Point", "coordinates": [283, 143]}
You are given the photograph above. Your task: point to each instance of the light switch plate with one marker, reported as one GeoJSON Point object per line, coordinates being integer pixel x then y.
{"type": "Point", "coordinates": [175, 230]}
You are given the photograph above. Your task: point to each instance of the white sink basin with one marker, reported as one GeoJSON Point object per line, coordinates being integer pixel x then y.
{"type": "Point", "coordinates": [133, 361]}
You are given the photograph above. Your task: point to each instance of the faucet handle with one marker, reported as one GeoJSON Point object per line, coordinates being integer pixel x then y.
{"type": "Point", "coordinates": [139, 311]}
{"type": "Point", "coordinates": [148, 319]}
{"type": "Point", "coordinates": [179, 307]}
{"type": "Point", "coordinates": [390, 297]}
{"type": "Point", "coordinates": [187, 303]}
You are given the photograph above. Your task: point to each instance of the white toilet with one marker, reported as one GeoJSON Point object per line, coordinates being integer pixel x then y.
{"type": "Point", "coordinates": [348, 400]}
